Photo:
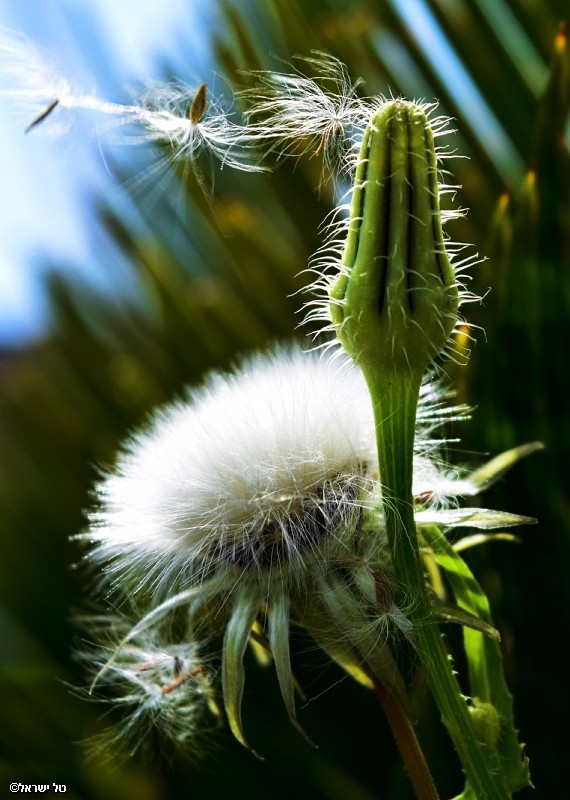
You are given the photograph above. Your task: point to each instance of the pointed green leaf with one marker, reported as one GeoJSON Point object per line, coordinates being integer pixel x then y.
{"type": "Point", "coordinates": [489, 473]}
{"type": "Point", "coordinates": [484, 518]}
{"type": "Point", "coordinates": [481, 538]}
{"type": "Point", "coordinates": [446, 612]}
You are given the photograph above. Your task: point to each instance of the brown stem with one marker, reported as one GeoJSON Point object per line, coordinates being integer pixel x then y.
{"type": "Point", "coordinates": [408, 745]}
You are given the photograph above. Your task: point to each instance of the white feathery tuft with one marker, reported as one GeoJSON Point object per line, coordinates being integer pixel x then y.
{"type": "Point", "coordinates": [160, 113]}
{"type": "Point", "coordinates": [250, 474]}
{"type": "Point", "coordinates": [159, 682]}
{"type": "Point", "coordinates": [292, 113]}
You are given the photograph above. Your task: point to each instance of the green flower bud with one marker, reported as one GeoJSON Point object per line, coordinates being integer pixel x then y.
{"type": "Point", "coordinates": [395, 302]}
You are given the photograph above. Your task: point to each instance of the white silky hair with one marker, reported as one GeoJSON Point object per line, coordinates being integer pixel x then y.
{"type": "Point", "coordinates": [206, 475]}
{"type": "Point", "coordinates": [159, 682]}
{"type": "Point", "coordinates": [159, 113]}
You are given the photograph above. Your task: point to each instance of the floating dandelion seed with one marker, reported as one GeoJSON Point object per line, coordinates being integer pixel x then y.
{"type": "Point", "coordinates": [52, 106]}
{"type": "Point", "coordinates": [175, 115]}
{"type": "Point", "coordinates": [198, 105]}
{"type": "Point", "coordinates": [292, 113]}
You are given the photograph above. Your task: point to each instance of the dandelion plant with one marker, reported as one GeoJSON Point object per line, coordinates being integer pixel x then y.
{"type": "Point", "coordinates": [307, 488]}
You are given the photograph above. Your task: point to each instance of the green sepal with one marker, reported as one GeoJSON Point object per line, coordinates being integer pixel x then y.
{"type": "Point", "coordinates": [278, 623]}
{"type": "Point", "coordinates": [325, 634]}
{"type": "Point", "coordinates": [246, 607]}
{"type": "Point", "coordinates": [366, 640]}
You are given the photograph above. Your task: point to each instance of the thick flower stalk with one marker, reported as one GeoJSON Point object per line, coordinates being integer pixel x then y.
{"type": "Point", "coordinates": [393, 306]}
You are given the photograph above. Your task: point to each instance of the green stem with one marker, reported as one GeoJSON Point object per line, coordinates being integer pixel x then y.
{"type": "Point", "coordinates": [394, 398]}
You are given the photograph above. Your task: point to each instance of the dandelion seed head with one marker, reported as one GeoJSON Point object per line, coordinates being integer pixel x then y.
{"type": "Point", "coordinates": [243, 463]}
{"type": "Point", "coordinates": [256, 471]}
{"type": "Point", "coordinates": [254, 502]}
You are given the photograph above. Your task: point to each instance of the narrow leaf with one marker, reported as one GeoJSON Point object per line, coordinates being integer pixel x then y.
{"type": "Point", "coordinates": [484, 518]}
{"type": "Point", "coordinates": [481, 538]}
{"type": "Point", "coordinates": [445, 612]}
{"type": "Point", "coordinates": [490, 472]}
{"type": "Point", "coordinates": [246, 608]}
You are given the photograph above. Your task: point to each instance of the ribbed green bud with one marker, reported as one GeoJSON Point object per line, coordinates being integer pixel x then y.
{"type": "Point", "coordinates": [393, 307]}
{"type": "Point", "coordinates": [395, 302]}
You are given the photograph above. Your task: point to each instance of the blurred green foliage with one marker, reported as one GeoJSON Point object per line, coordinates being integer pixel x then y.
{"type": "Point", "coordinates": [215, 278]}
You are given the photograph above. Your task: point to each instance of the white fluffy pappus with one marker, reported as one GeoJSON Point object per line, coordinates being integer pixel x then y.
{"type": "Point", "coordinates": [157, 681]}
{"type": "Point", "coordinates": [186, 118]}
{"type": "Point", "coordinates": [291, 112]}
{"type": "Point", "coordinates": [257, 470]}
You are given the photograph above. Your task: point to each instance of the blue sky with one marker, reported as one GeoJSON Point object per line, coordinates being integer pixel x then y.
{"type": "Point", "coordinates": [106, 45]}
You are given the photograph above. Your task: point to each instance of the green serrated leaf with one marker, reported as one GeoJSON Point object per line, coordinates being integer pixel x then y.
{"type": "Point", "coordinates": [486, 679]}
